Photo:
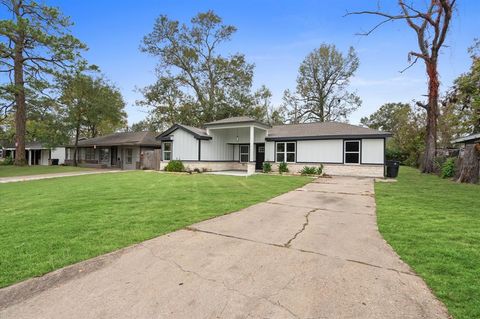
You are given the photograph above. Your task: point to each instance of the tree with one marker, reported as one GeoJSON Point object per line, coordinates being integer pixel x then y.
{"type": "Point", "coordinates": [407, 128]}
{"type": "Point", "coordinates": [195, 83]}
{"type": "Point", "coordinates": [91, 107]}
{"type": "Point", "coordinates": [322, 82]}
{"type": "Point", "coordinates": [34, 44]}
{"type": "Point", "coordinates": [431, 26]}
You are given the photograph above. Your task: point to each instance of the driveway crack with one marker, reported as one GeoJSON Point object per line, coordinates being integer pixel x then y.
{"type": "Point", "coordinates": [305, 224]}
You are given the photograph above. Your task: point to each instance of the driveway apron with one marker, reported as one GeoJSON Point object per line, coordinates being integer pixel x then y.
{"type": "Point", "coordinates": [314, 252]}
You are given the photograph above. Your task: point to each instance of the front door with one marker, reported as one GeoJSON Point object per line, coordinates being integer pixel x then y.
{"type": "Point", "coordinates": [260, 156]}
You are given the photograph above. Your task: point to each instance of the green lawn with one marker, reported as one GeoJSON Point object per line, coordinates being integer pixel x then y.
{"type": "Point", "coordinates": [48, 224]}
{"type": "Point", "coordinates": [434, 225]}
{"type": "Point", "coordinates": [10, 170]}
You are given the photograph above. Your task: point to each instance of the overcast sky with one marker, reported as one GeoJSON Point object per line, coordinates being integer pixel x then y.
{"type": "Point", "coordinates": [275, 36]}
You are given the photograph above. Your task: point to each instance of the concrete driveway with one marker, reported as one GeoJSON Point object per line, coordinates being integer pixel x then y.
{"type": "Point", "coordinates": [312, 253]}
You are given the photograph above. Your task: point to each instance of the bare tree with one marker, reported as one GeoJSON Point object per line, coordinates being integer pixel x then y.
{"type": "Point", "coordinates": [431, 26]}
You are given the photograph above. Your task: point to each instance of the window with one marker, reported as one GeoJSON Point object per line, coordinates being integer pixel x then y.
{"type": "Point", "coordinates": [105, 155]}
{"type": "Point", "coordinates": [129, 155]}
{"type": "Point", "coordinates": [285, 152]}
{"type": "Point", "coordinates": [167, 151]}
{"type": "Point", "coordinates": [89, 154]}
{"type": "Point", "coordinates": [244, 154]}
{"type": "Point", "coordinates": [352, 152]}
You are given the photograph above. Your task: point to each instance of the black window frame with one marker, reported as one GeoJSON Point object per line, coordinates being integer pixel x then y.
{"type": "Point", "coordinates": [359, 152]}
{"type": "Point", "coordinates": [285, 151]}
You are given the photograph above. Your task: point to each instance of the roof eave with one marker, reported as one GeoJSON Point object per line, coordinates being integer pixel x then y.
{"type": "Point", "coordinates": [326, 137]}
{"type": "Point", "coordinates": [238, 122]}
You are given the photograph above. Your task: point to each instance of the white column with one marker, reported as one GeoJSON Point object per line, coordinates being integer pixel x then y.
{"type": "Point", "coordinates": [30, 157]}
{"type": "Point", "coordinates": [252, 139]}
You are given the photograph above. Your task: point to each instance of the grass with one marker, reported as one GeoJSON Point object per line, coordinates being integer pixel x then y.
{"type": "Point", "coordinates": [48, 224]}
{"type": "Point", "coordinates": [434, 225]}
{"type": "Point", "coordinates": [10, 170]}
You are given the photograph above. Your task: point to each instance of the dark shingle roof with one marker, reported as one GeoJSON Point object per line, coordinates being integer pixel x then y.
{"type": "Point", "coordinates": [195, 131]}
{"type": "Point", "coordinates": [124, 138]}
{"type": "Point", "coordinates": [322, 130]}
{"type": "Point", "coordinates": [236, 119]}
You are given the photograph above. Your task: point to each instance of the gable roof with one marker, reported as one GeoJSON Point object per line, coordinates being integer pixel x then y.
{"type": "Point", "coordinates": [195, 131]}
{"type": "Point", "coordinates": [321, 130]}
{"type": "Point", "coordinates": [122, 139]}
{"type": "Point", "coordinates": [236, 120]}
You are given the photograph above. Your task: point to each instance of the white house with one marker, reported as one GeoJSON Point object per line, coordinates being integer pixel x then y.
{"type": "Point", "coordinates": [37, 153]}
{"type": "Point", "coordinates": [243, 143]}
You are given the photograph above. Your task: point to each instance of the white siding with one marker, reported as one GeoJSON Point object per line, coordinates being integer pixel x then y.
{"type": "Point", "coordinates": [59, 153]}
{"type": "Point", "coordinates": [269, 151]}
{"type": "Point", "coordinates": [322, 151]}
{"type": "Point", "coordinates": [217, 149]}
{"type": "Point", "coordinates": [372, 151]}
{"type": "Point", "coordinates": [185, 146]}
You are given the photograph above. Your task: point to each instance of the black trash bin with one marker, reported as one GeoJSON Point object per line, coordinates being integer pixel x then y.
{"type": "Point", "coordinates": [54, 161]}
{"type": "Point", "coordinates": [392, 168]}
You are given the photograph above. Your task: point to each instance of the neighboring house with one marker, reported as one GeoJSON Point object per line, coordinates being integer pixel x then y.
{"type": "Point", "coordinates": [243, 143]}
{"type": "Point", "coordinates": [37, 153]}
{"type": "Point", "coordinates": [121, 150]}
{"type": "Point", "coordinates": [470, 139]}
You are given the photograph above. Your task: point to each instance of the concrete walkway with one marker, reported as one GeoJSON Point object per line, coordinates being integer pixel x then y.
{"type": "Point", "coordinates": [14, 179]}
{"type": "Point", "coordinates": [312, 253]}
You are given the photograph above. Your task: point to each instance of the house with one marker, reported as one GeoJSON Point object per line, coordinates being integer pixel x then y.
{"type": "Point", "coordinates": [123, 150]}
{"type": "Point", "coordinates": [37, 153]}
{"type": "Point", "coordinates": [463, 141]}
{"type": "Point", "coordinates": [243, 143]}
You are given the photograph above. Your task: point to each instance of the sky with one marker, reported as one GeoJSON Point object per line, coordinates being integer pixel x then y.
{"type": "Point", "coordinates": [275, 36]}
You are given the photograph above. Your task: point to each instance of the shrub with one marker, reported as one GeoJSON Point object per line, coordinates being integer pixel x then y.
{"type": "Point", "coordinates": [267, 167]}
{"type": "Point", "coordinates": [307, 170]}
{"type": "Point", "coordinates": [7, 161]}
{"type": "Point", "coordinates": [283, 168]}
{"type": "Point", "coordinates": [448, 168]}
{"type": "Point", "coordinates": [175, 166]}
{"type": "Point", "coordinates": [320, 170]}
{"type": "Point", "coordinates": [197, 170]}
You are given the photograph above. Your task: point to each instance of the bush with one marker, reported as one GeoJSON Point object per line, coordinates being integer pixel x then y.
{"type": "Point", "coordinates": [267, 167]}
{"type": "Point", "coordinates": [307, 170]}
{"type": "Point", "coordinates": [320, 170]}
{"type": "Point", "coordinates": [283, 168]}
{"type": "Point", "coordinates": [448, 168]}
{"type": "Point", "coordinates": [175, 166]}
{"type": "Point", "coordinates": [7, 161]}
{"type": "Point", "coordinates": [197, 170]}
{"type": "Point", "coordinates": [396, 155]}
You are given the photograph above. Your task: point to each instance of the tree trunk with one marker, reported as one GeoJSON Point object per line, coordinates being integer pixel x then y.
{"type": "Point", "coordinates": [432, 111]}
{"type": "Point", "coordinates": [77, 134]}
{"type": "Point", "coordinates": [20, 105]}
{"type": "Point", "coordinates": [469, 171]}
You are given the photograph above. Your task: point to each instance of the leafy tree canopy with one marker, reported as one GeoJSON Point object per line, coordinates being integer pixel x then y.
{"type": "Point", "coordinates": [322, 87]}
{"type": "Point", "coordinates": [195, 83]}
